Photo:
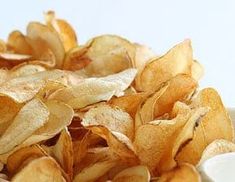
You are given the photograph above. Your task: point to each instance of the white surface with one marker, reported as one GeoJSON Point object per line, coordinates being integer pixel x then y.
{"type": "Point", "coordinates": [160, 24]}
{"type": "Point", "coordinates": [219, 168]}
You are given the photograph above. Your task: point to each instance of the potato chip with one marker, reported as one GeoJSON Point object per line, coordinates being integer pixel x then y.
{"type": "Point", "coordinates": [41, 169]}
{"type": "Point", "coordinates": [22, 89]}
{"type": "Point", "coordinates": [25, 69]}
{"type": "Point", "coordinates": [183, 172]}
{"type": "Point", "coordinates": [113, 119]}
{"type": "Point", "coordinates": [128, 103]}
{"type": "Point", "coordinates": [107, 54]}
{"type": "Point", "coordinates": [177, 60]}
{"type": "Point", "coordinates": [60, 116]}
{"type": "Point", "coordinates": [145, 112]}
{"type": "Point", "coordinates": [197, 70]}
{"type": "Point", "coordinates": [32, 116]}
{"type": "Point", "coordinates": [93, 90]}
{"type": "Point", "coordinates": [37, 30]}
{"type": "Point", "coordinates": [64, 29]}
{"type": "Point", "coordinates": [16, 159]}
{"type": "Point", "coordinates": [8, 109]}
{"type": "Point", "coordinates": [219, 146]}
{"type": "Point", "coordinates": [95, 171]}
{"type": "Point", "coordinates": [136, 173]}
{"type": "Point", "coordinates": [3, 47]}
{"type": "Point", "coordinates": [216, 124]}
{"type": "Point", "coordinates": [63, 152]}
{"type": "Point", "coordinates": [179, 138]}
{"type": "Point", "coordinates": [4, 75]}
{"type": "Point", "coordinates": [18, 43]}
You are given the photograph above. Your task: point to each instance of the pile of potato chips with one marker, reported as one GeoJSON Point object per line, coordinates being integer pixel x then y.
{"type": "Point", "coordinates": [108, 110]}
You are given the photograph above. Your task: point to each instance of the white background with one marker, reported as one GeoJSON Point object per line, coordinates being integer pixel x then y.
{"type": "Point", "coordinates": [210, 24]}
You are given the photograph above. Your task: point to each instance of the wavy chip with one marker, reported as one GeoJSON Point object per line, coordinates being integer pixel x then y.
{"type": "Point", "coordinates": [31, 117]}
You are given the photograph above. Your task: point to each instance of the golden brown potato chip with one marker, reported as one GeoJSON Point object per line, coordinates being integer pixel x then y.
{"type": "Point", "coordinates": [93, 90]}
{"type": "Point", "coordinates": [18, 43]}
{"type": "Point", "coordinates": [63, 152]}
{"type": "Point", "coordinates": [42, 169]}
{"type": "Point", "coordinates": [19, 157]}
{"type": "Point", "coordinates": [136, 173]}
{"type": "Point", "coordinates": [219, 146]}
{"type": "Point", "coordinates": [113, 119]}
{"type": "Point", "coordinates": [107, 54]}
{"type": "Point", "coordinates": [37, 30]}
{"type": "Point", "coordinates": [8, 109]}
{"type": "Point", "coordinates": [32, 116]}
{"type": "Point", "coordinates": [128, 103]}
{"type": "Point", "coordinates": [216, 124]}
{"type": "Point", "coordinates": [145, 112]}
{"type": "Point", "coordinates": [64, 29]}
{"type": "Point", "coordinates": [180, 137]}
{"type": "Point", "coordinates": [94, 171]}
{"type": "Point", "coordinates": [184, 172]}
{"type": "Point", "coordinates": [3, 47]}
{"type": "Point", "coordinates": [179, 88]}
{"type": "Point", "coordinates": [175, 61]}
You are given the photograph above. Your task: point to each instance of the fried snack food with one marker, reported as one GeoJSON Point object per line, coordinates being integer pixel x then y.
{"type": "Point", "coordinates": [106, 110]}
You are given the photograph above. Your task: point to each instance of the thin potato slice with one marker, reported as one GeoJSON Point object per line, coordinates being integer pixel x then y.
{"type": "Point", "coordinates": [3, 46]}
{"type": "Point", "coordinates": [15, 57]}
{"type": "Point", "coordinates": [18, 43]}
{"type": "Point", "coordinates": [95, 171]}
{"type": "Point", "coordinates": [64, 29]}
{"type": "Point", "coordinates": [219, 146]}
{"type": "Point", "coordinates": [37, 30]}
{"type": "Point", "coordinates": [184, 172]}
{"type": "Point", "coordinates": [22, 89]}
{"type": "Point", "coordinates": [63, 152]}
{"type": "Point", "coordinates": [197, 70]}
{"type": "Point", "coordinates": [175, 61]}
{"type": "Point", "coordinates": [43, 169]}
{"type": "Point", "coordinates": [93, 90]}
{"type": "Point", "coordinates": [31, 117]}
{"type": "Point", "coordinates": [216, 124]}
{"type": "Point", "coordinates": [113, 119]}
{"type": "Point", "coordinates": [16, 159]}
{"type": "Point", "coordinates": [136, 173]}
{"type": "Point", "coordinates": [107, 54]}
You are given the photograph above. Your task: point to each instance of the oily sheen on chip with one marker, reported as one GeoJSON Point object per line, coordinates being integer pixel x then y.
{"type": "Point", "coordinates": [106, 110]}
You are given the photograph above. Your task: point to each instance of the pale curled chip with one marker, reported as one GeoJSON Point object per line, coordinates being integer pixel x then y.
{"type": "Point", "coordinates": [136, 173]}
{"type": "Point", "coordinates": [108, 54]}
{"type": "Point", "coordinates": [216, 124]}
{"type": "Point", "coordinates": [31, 117]}
{"type": "Point", "coordinates": [25, 69]}
{"type": "Point", "coordinates": [16, 159]}
{"type": "Point", "coordinates": [22, 89]}
{"type": "Point", "coordinates": [63, 152]}
{"type": "Point", "coordinates": [15, 57]}
{"type": "Point", "coordinates": [219, 146]}
{"type": "Point", "coordinates": [197, 70]}
{"type": "Point", "coordinates": [37, 30]}
{"type": "Point", "coordinates": [184, 172]}
{"type": "Point", "coordinates": [112, 118]}
{"type": "Point", "coordinates": [93, 90]}
{"type": "Point", "coordinates": [18, 43]}
{"type": "Point", "coordinates": [94, 171]}
{"type": "Point", "coordinates": [60, 116]}
{"type": "Point", "coordinates": [64, 29]}
{"type": "Point", "coordinates": [41, 169]}
{"type": "Point", "coordinates": [177, 60]}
